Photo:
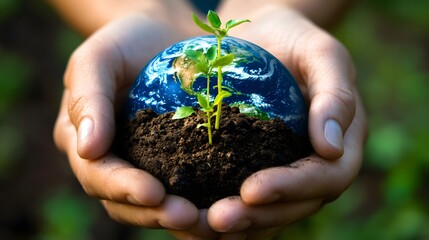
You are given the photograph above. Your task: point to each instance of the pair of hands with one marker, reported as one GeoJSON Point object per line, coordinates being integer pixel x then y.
{"type": "Point", "coordinates": [100, 72]}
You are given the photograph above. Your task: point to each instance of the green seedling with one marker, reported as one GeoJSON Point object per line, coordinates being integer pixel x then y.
{"type": "Point", "coordinates": [205, 62]}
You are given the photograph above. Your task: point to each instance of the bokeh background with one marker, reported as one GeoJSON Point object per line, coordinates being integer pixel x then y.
{"type": "Point", "coordinates": [389, 41]}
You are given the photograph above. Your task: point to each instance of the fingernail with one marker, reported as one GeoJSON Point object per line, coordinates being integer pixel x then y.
{"type": "Point", "coordinates": [240, 226]}
{"type": "Point", "coordinates": [86, 128]}
{"type": "Point", "coordinates": [333, 133]}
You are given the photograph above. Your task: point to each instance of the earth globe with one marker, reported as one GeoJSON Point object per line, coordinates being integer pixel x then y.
{"type": "Point", "coordinates": [255, 78]}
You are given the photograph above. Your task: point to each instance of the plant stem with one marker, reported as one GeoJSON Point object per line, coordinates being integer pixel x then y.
{"type": "Point", "coordinates": [219, 84]}
{"type": "Point", "coordinates": [208, 87]}
{"type": "Point", "coordinates": [209, 125]}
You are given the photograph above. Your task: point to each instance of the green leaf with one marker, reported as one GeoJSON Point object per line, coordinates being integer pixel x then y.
{"type": "Point", "coordinates": [203, 125]}
{"type": "Point", "coordinates": [221, 96]}
{"type": "Point", "coordinates": [202, 67]}
{"type": "Point", "coordinates": [200, 59]}
{"type": "Point", "coordinates": [251, 111]}
{"type": "Point", "coordinates": [233, 23]}
{"type": "Point", "coordinates": [212, 53]}
{"type": "Point", "coordinates": [224, 60]}
{"type": "Point", "coordinates": [202, 25]}
{"type": "Point", "coordinates": [183, 112]}
{"type": "Point", "coordinates": [202, 100]}
{"type": "Point", "coordinates": [214, 19]}
{"type": "Point", "coordinates": [195, 55]}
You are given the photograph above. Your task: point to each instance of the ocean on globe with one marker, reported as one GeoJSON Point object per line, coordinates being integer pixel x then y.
{"type": "Point", "coordinates": [255, 78]}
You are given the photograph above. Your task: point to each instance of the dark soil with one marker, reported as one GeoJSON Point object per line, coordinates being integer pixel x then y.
{"type": "Point", "coordinates": [178, 154]}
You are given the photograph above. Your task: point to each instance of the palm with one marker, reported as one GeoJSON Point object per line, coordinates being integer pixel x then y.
{"type": "Point", "coordinates": [276, 197]}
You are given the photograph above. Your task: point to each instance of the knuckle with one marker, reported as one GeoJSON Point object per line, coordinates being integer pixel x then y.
{"type": "Point", "coordinates": [76, 105]}
{"type": "Point", "coordinates": [336, 102]}
{"type": "Point", "coordinates": [347, 98]}
{"type": "Point", "coordinates": [325, 45]}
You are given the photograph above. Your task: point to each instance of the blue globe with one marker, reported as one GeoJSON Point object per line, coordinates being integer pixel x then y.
{"type": "Point", "coordinates": [255, 77]}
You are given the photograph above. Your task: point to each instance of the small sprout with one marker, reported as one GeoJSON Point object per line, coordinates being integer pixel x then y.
{"type": "Point", "coordinates": [214, 19]}
{"type": "Point", "coordinates": [183, 112]}
{"type": "Point", "coordinates": [216, 24]}
{"type": "Point", "coordinates": [204, 64]}
{"type": "Point", "coordinates": [204, 103]}
{"type": "Point", "coordinates": [233, 23]}
{"type": "Point", "coordinates": [212, 54]}
{"type": "Point", "coordinates": [220, 97]}
{"type": "Point", "coordinates": [223, 61]}
{"type": "Point", "coordinates": [251, 111]}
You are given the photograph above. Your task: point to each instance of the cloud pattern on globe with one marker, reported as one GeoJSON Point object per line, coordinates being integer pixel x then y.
{"type": "Point", "coordinates": [255, 77]}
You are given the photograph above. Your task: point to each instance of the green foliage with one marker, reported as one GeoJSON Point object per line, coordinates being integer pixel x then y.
{"type": "Point", "coordinates": [154, 234]}
{"type": "Point", "coordinates": [415, 12]}
{"type": "Point", "coordinates": [204, 103]}
{"type": "Point", "coordinates": [8, 8]}
{"type": "Point", "coordinates": [221, 96]}
{"type": "Point", "coordinates": [11, 143]}
{"type": "Point", "coordinates": [66, 41]}
{"type": "Point", "coordinates": [214, 19]}
{"type": "Point", "coordinates": [251, 111]}
{"type": "Point", "coordinates": [14, 74]}
{"type": "Point", "coordinates": [183, 112]}
{"type": "Point", "coordinates": [216, 24]}
{"type": "Point", "coordinates": [202, 25]}
{"type": "Point", "coordinates": [205, 63]}
{"type": "Point", "coordinates": [66, 216]}
{"type": "Point", "coordinates": [223, 61]}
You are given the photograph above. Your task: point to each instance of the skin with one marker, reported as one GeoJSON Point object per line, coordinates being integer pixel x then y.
{"type": "Point", "coordinates": [104, 66]}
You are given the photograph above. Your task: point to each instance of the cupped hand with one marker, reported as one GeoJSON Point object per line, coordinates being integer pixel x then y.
{"type": "Point", "coordinates": [273, 198]}
{"type": "Point", "coordinates": [102, 69]}
{"type": "Point", "coordinates": [98, 74]}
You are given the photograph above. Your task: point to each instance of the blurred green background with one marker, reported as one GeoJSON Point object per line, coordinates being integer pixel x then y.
{"type": "Point", "coordinates": [389, 41]}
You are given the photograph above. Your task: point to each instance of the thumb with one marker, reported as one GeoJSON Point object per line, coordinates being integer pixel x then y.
{"type": "Point", "coordinates": [94, 121]}
{"type": "Point", "coordinates": [91, 84]}
{"type": "Point", "coordinates": [331, 112]}
{"type": "Point", "coordinates": [330, 80]}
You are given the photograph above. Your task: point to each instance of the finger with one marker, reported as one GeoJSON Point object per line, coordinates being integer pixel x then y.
{"type": "Point", "coordinates": [201, 229]}
{"type": "Point", "coordinates": [312, 177]}
{"type": "Point", "coordinates": [108, 177]}
{"type": "Point", "coordinates": [232, 215]}
{"type": "Point", "coordinates": [91, 81]}
{"type": "Point", "coordinates": [116, 180]}
{"type": "Point", "coordinates": [306, 179]}
{"type": "Point", "coordinates": [105, 66]}
{"type": "Point", "coordinates": [174, 213]}
{"type": "Point", "coordinates": [329, 76]}
{"type": "Point", "coordinates": [63, 125]}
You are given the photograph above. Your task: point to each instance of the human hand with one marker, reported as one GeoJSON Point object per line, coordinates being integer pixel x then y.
{"type": "Point", "coordinates": [273, 198]}
{"type": "Point", "coordinates": [99, 72]}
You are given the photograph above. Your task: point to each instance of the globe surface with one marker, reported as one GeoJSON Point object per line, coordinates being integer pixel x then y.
{"type": "Point", "coordinates": [255, 77]}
